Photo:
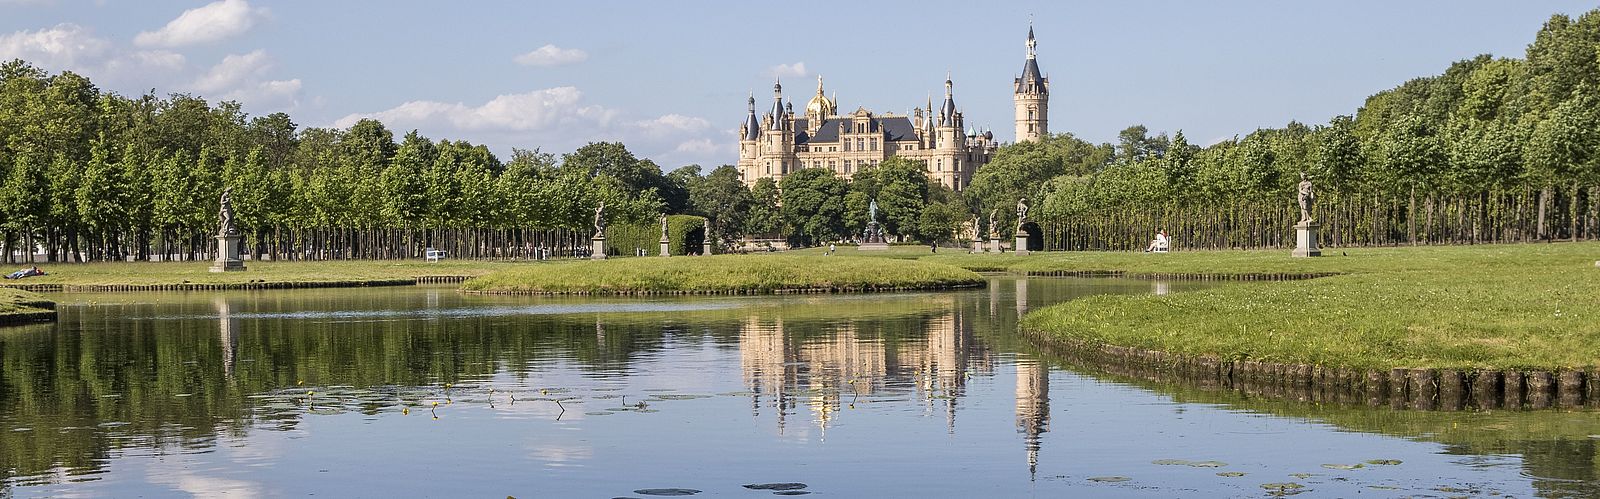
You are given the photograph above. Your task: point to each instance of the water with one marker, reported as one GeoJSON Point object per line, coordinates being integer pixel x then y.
{"type": "Point", "coordinates": [333, 393]}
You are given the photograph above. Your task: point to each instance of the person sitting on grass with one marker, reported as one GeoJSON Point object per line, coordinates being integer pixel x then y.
{"type": "Point", "coordinates": [1159, 244]}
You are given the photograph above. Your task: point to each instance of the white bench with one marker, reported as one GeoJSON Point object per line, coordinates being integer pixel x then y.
{"type": "Point", "coordinates": [433, 255]}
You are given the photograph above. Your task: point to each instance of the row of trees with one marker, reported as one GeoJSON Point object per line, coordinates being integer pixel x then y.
{"type": "Point", "coordinates": [86, 174]}
{"type": "Point", "coordinates": [1490, 150]}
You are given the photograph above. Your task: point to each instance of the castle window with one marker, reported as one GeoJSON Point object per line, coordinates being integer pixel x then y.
{"type": "Point", "coordinates": [846, 145]}
{"type": "Point", "coordinates": [858, 145]}
{"type": "Point", "coordinates": [874, 144]}
{"type": "Point", "coordinates": [939, 166]}
{"type": "Point", "coordinates": [769, 168]}
{"type": "Point", "coordinates": [1030, 128]}
{"type": "Point", "coordinates": [847, 166]}
{"type": "Point", "coordinates": [1030, 113]}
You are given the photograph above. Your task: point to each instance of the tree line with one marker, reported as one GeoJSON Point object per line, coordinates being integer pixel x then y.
{"type": "Point", "coordinates": [1492, 149]}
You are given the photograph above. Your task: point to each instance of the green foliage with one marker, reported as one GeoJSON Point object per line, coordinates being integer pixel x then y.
{"type": "Point", "coordinates": [725, 273]}
{"type": "Point", "coordinates": [623, 239]}
{"type": "Point", "coordinates": [813, 206]}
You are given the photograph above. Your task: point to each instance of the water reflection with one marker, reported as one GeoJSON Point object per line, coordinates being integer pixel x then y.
{"type": "Point", "coordinates": [937, 381]}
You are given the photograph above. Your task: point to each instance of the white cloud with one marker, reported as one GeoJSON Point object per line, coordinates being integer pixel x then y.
{"type": "Point", "coordinates": [795, 70]}
{"type": "Point", "coordinates": [539, 110]}
{"type": "Point", "coordinates": [557, 119]}
{"type": "Point", "coordinates": [62, 46]}
{"type": "Point", "coordinates": [233, 70]}
{"type": "Point", "coordinates": [209, 23]}
{"type": "Point", "coordinates": [551, 55]}
{"type": "Point", "coordinates": [242, 78]}
{"type": "Point", "coordinates": [70, 47]}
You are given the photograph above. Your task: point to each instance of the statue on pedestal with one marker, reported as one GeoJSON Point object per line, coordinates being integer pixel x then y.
{"type": "Point", "coordinates": [1308, 196]}
{"type": "Point", "coordinates": [600, 220]}
{"type": "Point", "coordinates": [1022, 212]}
{"type": "Point", "coordinates": [225, 224]}
{"type": "Point", "coordinates": [994, 230]}
{"type": "Point", "coordinates": [663, 226]}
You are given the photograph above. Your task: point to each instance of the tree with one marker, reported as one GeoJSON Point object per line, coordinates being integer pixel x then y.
{"type": "Point", "coordinates": [721, 197]}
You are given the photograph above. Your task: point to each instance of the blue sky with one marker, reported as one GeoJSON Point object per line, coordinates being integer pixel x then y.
{"type": "Point", "coordinates": [670, 78]}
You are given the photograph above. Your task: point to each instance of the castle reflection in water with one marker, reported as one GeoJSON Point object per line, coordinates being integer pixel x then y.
{"type": "Point", "coordinates": [826, 369]}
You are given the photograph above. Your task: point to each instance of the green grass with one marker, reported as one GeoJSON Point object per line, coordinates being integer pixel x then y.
{"type": "Point", "coordinates": [18, 302]}
{"type": "Point", "coordinates": [1531, 306]}
{"type": "Point", "coordinates": [157, 273]}
{"type": "Point", "coordinates": [724, 274]}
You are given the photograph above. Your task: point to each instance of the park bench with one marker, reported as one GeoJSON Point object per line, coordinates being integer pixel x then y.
{"type": "Point", "coordinates": [433, 255]}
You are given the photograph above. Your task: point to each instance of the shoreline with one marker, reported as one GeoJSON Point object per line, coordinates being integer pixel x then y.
{"type": "Point", "coordinates": [1399, 388]}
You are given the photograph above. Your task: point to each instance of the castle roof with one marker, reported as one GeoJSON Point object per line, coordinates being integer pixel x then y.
{"type": "Point", "coordinates": [895, 128]}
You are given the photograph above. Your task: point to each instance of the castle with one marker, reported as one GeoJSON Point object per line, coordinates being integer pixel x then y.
{"type": "Point", "coordinates": [780, 142]}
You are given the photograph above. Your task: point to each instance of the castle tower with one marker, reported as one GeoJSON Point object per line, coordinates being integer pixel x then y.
{"type": "Point", "coordinates": [952, 141]}
{"type": "Point", "coordinates": [1031, 96]}
{"type": "Point", "coordinates": [749, 132]}
{"type": "Point", "coordinates": [819, 108]}
{"type": "Point", "coordinates": [778, 142]}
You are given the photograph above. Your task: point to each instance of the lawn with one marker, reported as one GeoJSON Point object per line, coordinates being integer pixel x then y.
{"type": "Point", "coordinates": [1534, 306]}
{"type": "Point", "coordinates": [763, 273]}
{"type": "Point", "coordinates": [21, 306]}
{"type": "Point", "coordinates": [163, 273]}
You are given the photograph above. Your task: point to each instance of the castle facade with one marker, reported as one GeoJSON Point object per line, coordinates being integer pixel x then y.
{"type": "Point", "coordinates": [779, 142]}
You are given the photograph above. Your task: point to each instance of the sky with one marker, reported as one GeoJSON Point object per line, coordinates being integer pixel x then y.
{"type": "Point", "coordinates": [669, 79]}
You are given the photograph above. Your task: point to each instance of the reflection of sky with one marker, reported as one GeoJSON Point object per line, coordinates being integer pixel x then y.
{"type": "Point", "coordinates": [896, 438]}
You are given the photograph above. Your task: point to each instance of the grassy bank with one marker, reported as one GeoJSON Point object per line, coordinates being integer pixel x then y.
{"type": "Point", "coordinates": [198, 273]}
{"type": "Point", "coordinates": [725, 274]}
{"type": "Point", "coordinates": [1493, 307]}
{"type": "Point", "coordinates": [17, 306]}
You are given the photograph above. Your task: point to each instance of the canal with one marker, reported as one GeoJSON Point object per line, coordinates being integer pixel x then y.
{"type": "Point", "coordinates": [421, 391]}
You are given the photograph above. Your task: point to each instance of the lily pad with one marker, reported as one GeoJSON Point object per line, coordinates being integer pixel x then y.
{"type": "Point", "coordinates": [791, 492]}
{"type": "Point", "coordinates": [1302, 476]}
{"type": "Point", "coordinates": [1109, 479]}
{"type": "Point", "coordinates": [666, 492]}
{"type": "Point", "coordinates": [776, 486]}
{"type": "Point", "coordinates": [1282, 486]}
{"type": "Point", "coordinates": [1384, 462]}
{"type": "Point", "coordinates": [1172, 462]}
{"type": "Point", "coordinates": [1343, 466]}
{"type": "Point", "coordinates": [1230, 474]}
{"type": "Point", "coordinates": [1208, 464]}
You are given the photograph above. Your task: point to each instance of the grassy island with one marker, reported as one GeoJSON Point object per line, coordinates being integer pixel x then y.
{"type": "Point", "coordinates": [17, 307]}
{"type": "Point", "coordinates": [1533, 306]}
{"type": "Point", "coordinates": [725, 274]}
{"type": "Point", "coordinates": [142, 276]}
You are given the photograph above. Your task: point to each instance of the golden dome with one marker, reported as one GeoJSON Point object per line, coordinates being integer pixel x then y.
{"type": "Point", "coordinates": [820, 105]}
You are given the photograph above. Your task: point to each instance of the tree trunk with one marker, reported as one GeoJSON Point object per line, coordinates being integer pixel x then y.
{"type": "Point", "coordinates": [1544, 201]}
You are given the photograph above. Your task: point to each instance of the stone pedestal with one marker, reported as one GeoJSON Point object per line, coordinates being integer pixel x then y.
{"type": "Point", "coordinates": [597, 248]}
{"type": "Point", "coordinates": [666, 247]}
{"type": "Point", "coordinates": [977, 246]}
{"type": "Point", "coordinates": [873, 240]}
{"type": "Point", "coordinates": [227, 255]}
{"type": "Point", "coordinates": [705, 248]}
{"type": "Point", "coordinates": [1020, 245]}
{"type": "Point", "coordinates": [1305, 239]}
{"type": "Point", "coordinates": [994, 244]}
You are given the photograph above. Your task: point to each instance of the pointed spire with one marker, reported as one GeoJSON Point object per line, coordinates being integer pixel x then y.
{"type": "Point", "coordinates": [1031, 43]}
{"type": "Point", "coordinates": [947, 114]}
{"type": "Point", "coordinates": [777, 105]}
{"type": "Point", "coordinates": [752, 126]}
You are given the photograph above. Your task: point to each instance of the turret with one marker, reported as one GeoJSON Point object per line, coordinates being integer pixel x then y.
{"type": "Point", "coordinates": [1031, 97]}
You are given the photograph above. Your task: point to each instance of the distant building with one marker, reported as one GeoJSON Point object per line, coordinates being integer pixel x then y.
{"type": "Point", "coordinates": [779, 142]}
